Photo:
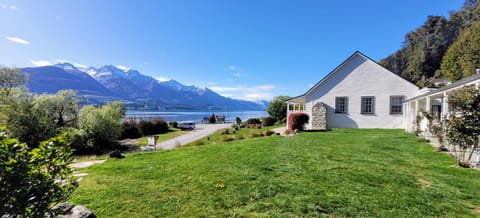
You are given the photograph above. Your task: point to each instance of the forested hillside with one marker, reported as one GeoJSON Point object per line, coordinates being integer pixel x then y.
{"type": "Point", "coordinates": [440, 48]}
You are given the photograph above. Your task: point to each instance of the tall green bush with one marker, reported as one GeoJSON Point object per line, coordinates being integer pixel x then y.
{"type": "Point", "coordinates": [101, 126]}
{"type": "Point", "coordinates": [34, 180]}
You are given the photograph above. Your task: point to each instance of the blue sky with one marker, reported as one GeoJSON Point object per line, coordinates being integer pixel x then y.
{"type": "Point", "coordinates": [245, 49]}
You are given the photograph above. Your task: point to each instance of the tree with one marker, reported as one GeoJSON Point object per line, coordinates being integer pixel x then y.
{"type": "Point", "coordinates": [62, 108]}
{"type": "Point", "coordinates": [462, 58]}
{"type": "Point", "coordinates": [9, 80]}
{"type": "Point", "coordinates": [34, 119]}
{"type": "Point", "coordinates": [278, 108]}
{"type": "Point", "coordinates": [33, 180]}
{"type": "Point", "coordinates": [12, 86]}
{"type": "Point", "coordinates": [463, 129]}
{"type": "Point", "coordinates": [100, 127]}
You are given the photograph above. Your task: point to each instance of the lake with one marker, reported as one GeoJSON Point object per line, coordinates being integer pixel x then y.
{"type": "Point", "coordinates": [196, 116]}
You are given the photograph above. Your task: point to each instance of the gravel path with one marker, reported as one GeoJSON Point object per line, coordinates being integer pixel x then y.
{"type": "Point", "coordinates": [199, 132]}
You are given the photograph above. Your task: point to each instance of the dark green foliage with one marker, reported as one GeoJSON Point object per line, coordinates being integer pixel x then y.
{"type": "Point", "coordinates": [268, 121]}
{"type": "Point", "coordinates": [463, 129]}
{"type": "Point", "coordinates": [424, 48]}
{"type": "Point", "coordinates": [253, 121]}
{"type": "Point", "coordinates": [238, 121]}
{"type": "Point", "coordinates": [462, 58]}
{"type": "Point", "coordinates": [173, 124]}
{"type": "Point", "coordinates": [278, 107]}
{"type": "Point", "coordinates": [131, 130]}
{"type": "Point", "coordinates": [33, 180]}
{"type": "Point", "coordinates": [153, 127]}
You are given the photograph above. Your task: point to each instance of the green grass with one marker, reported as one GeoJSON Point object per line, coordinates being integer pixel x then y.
{"type": "Point", "coordinates": [233, 135]}
{"type": "Point", "coordinates": [163, 137]}
{"type": "Point", "coordinates": [341, 173]}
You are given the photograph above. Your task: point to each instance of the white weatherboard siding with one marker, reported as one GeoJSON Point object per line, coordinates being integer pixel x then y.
{"type": "Point", "coordinates": [360, 76]}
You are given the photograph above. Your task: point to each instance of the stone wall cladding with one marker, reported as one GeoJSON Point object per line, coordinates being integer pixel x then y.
{"type": "Point", "coordinates": [319, 116]}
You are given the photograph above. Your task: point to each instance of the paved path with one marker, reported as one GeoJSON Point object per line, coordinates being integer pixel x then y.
{"type": "Point", "coordinates": [199, 132]}
{"type": "Point", "coordinates": [84, 164]}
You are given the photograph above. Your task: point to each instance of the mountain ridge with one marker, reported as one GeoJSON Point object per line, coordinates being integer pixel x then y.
{"type": "Point", "coordinates": [136, 90]}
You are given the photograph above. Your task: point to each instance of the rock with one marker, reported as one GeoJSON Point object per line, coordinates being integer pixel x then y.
{"type": "Point", "coordinates": [81, 212]}
{"type": "Point", "coordinates": [68, 210]}
{"type": "Point", "coordinates": [62, 208]}
{"type": "Point", "coordinates": [116, 154]}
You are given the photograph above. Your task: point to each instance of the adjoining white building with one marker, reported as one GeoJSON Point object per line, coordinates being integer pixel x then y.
{"type": "Point", "coordinates": [433, 101]}
{"type": "Point", "coordinates": [359, 93]}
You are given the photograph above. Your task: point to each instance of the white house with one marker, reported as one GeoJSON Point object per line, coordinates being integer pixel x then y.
{"type": "Point", "coordinates": [359, 93]}
{"type": "Point", "coordinates": [433, 101]}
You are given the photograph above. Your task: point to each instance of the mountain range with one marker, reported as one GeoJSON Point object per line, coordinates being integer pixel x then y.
{"type": "Point", "coordinates": [135, 90]}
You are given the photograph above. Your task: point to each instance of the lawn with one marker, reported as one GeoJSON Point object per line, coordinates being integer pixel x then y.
{"type": "Point", "coordinates": [340, 173]}
{"type": "Point", "coordinates": [231, 134]}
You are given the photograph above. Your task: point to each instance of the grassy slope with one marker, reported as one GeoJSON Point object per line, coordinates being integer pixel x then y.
{"type": "Point", "coordinates": [346, 172]}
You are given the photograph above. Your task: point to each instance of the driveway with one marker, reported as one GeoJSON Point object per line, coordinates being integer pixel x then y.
{"type": "Point", "coordinates": [199, 132]}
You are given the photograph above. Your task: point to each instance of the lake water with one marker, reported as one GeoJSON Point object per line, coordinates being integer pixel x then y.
{"type": "Point", "coordinates": [196, 116]}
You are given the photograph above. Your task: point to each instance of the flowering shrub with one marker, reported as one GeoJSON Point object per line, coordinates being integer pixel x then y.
{"type": "Point", "coordinates": [296, 121]}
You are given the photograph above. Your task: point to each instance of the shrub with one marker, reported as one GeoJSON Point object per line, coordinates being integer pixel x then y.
{"type": "Point", "coordinates": [153, 127]}
{"type": "Point", "coordinates": [173, 124]}
{"type": "Point", "coordinates": [227, 138]}
{"type": "Point", "coordinates": [268, 133]}
{"type": "Point", "coordinates": [238, 121]}
{"type": "Point", "coordinates": [252, 135]}
{"type": "Point", "coordinates": [268, 121]}
{"type": "Point", "coordinates": [239, 137]}
{"type": "Point", "coordinates": [253, 121]}
{"type": "Point", "coordinates": [297, 121]}
{"type": "Point", "coordinates": [131, 130]}
{"type": "Point", "coordinates": [33, 180]}
{"type": "Point", "coordinates": [225, 132]}
{"type": "Point", "coordinates": [160, 126]}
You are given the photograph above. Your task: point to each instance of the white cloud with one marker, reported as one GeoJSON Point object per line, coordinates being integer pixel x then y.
{"type": "Point", "coordinates": [9, 7]}
{"type": "Point", "coordinates": [17, 40]}
{"type": "Point", "coordinates": [237, 71]}
{"type": "Point", "coordinates": [226, 89]}
{"type": "Point", "coordinates": [40, 63]}
{"type": "Point", "coordinates": [121, 67]}
{"type": "Point", "coordinates": [77, 65]}
{"type": "Point", "coordinates": [162, 79]}
{"type": "Point", "coordinates": [249, 93]}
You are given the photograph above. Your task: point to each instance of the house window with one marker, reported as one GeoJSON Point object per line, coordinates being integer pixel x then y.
{"type": "Point", "coordinates": [396, 106]}
{"type": "Point", "coordinates": [341, 105]}
{"type": "Point", "coordinates": [368, 105]}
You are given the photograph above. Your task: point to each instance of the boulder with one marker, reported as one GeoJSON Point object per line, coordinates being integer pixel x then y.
{"type": "Point", "coordinates": [116, 154]}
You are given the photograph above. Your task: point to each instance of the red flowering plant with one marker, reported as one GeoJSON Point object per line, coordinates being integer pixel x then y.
{"type": "Point", "coordinates": [297, 121]}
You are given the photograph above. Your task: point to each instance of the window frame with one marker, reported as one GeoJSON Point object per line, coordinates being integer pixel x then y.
{"type": "Point", "coordinates": [345, 105]}
{"type": "Point", "coordinates": [363, 105]}
{"type": "Point", "coordinates": [391, 105]}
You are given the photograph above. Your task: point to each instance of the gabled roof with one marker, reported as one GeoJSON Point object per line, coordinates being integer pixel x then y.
{"type": "Point", "coordinates": [356, 53]}
{"type": "Point", "coordinates": [454, 85]}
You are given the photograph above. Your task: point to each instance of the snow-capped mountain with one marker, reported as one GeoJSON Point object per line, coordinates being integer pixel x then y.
{"type": "Point", "coordinates": [120, 83]}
